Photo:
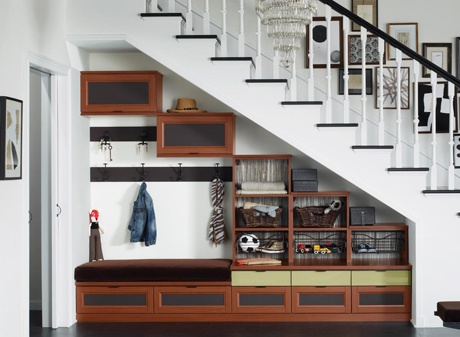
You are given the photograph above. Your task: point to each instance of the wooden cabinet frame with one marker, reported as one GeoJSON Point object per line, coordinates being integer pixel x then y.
{"type": "Point", "coordinates": [344, 308]}
{"type": "Point", "coordinates": [404, 307]}
{"type": "Point", "coordinates": [238, 307]}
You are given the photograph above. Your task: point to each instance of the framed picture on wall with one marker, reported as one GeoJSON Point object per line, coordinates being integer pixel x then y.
{"type": "Point", "coordinates": [405, 33]}
{"type": "Point", "coordinates": [355, 82]}
{"type": "Point", "coordinates": [389, 87]}
{"type": "Point", "coordinates": [355, 50]}
{"type": "Point", "coordinates": [438, 53]}
{"type": "Point", "coordinates": [319, 40]}
{"type": "Point", "coordinates": [425, 99]}
{"type": "Point", "coordinates": [367, 10]}
{"type": "Point", "coordinates": [10, 138]}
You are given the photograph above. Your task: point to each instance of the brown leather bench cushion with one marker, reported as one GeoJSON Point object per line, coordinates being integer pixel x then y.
{"type": "Point", "coordinates": [449, 311]}
{"type": "Point", "coordinates": [155, 270]}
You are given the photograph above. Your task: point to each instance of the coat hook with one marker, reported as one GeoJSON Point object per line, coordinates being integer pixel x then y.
{"type": "Point", "coordinates": [143, 173]}
{"type": "Point", "coordinates": [105, 143]}
{"type": "Point", "coordinates": [179, 173]}
{"type": "Point", "coordinates": [105, 173]}
{"type": "Point", "coordinates": [143, 143]}
{"type": "Point", "coordinates": [217, 171]}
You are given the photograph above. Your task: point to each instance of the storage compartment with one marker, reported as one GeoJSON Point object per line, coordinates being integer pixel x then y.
{"type": "Point", "coordinates": [270, 300]}
{"type": "Point", "coordinates": [321, 278]}
{"type": "Point", "coordinates": [119, 300]}
{"type": "Point", "coordinates": [304, 186]}
{"type": "Point", "coordinates": [192, 299]}
{"type": "Point", "coordinates": [380, 277]}
{"type": "Point", "coordinates": [195, 135]}
{"type": "Point", "coordinates": [261, 278]}
{"type": "Point", "coordinates": [304, 174]}
{"type": "Point", "coordinates": [121, 92]}
{"type": "Point", "coordinates": [361, 216]}
{"type": "Point", "coordinates": [381, 299]}
{"type": "Point", "coordinates": [319, 299]}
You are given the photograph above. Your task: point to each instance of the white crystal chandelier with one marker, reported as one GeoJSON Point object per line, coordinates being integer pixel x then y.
{"type": "Point", "coordinates": [286, 22]}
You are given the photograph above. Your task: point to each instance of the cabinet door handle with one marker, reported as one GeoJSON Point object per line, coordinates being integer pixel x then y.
{"type": "Point", "coordinates": [320, 271]}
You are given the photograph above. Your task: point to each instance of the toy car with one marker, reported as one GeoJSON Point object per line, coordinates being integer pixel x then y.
{"type": "Point", "coordinates": [302, 248]}
{"type": "Point", "coordinates": [321, 249]}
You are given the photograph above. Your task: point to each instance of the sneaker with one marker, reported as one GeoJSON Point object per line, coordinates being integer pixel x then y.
{"type": "Point", "coordinates": [362, 248]}
{"type": "Point", "coordinates": [370, 248]}
{"type": "Point", "coordinates": [273, 247]}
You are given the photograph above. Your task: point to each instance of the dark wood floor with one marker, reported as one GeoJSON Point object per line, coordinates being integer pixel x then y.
{"type": "Point", "coordinates": [238, 330]}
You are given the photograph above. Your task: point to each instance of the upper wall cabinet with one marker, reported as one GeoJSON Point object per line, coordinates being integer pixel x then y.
{"type": "Point", "coordinates": [121, 93]}
{"type": "Point", "coordinates": [195, 134]}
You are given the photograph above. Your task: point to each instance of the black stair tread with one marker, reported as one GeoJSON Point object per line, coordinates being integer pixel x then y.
{"type": "Point", "coordinates": [408, 169]}
{"type": "Point", "coordinates": [279, 80]}
{"type": "Point", "coordinates": [372, 147]}
{"type": "Point", "coordinates": [302, 103]}
{"type": "Point", "coordinates": [337, 125]}
{"type": "Point", "coordinates": [232, 58]}
{"type": "Point", "coordinates": [162, 15]}
{"type": "Point", "coordinates": [198, 37]}
{"type": "Point", "coordinates": [441, 191]}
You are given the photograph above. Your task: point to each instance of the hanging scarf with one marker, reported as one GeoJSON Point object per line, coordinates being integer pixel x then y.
{"type": "Point", "coordinates": [217, 233]}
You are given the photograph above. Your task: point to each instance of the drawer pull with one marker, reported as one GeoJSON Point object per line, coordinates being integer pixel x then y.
{"type": "Point", "coordinates": [321, 271]}
{"type": "Point", "coordinates": [260, 271]}
{"type": "Point", "coordinates": [261, 287]}
{"type": "Point", "coordinates": [191, 286]}
{"type": "Point", "coordinates": [113, 287]}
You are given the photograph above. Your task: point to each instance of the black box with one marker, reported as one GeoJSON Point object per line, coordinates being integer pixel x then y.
{"type": "Point", "coordinates": [361, 216]}
{"type": "Point", "coordinates": [305, 186]}
{"type": "Point", "coordinates": [304, 174]}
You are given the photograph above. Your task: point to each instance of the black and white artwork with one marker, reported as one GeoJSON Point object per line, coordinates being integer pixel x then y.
{"type": "Point", "coordinates": [319, 37]}
{"type": "Point", "coordinates": [443, 108]}
{"type": "Point", "coordinates": [10, 138]}
{"type": "Point", "coordinates": [390, 87]}
{"type": "Point", "coordinates": [355, 50]}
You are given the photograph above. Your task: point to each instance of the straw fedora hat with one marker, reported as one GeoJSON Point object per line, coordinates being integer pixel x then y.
{"type": "Point", "coordinates": [185, 105]}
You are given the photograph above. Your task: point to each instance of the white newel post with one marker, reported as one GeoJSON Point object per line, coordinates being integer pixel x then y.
{"type": "Point", "coordinates": [416, 119]}
{"type": "Point", "coordinates": [363, 88]}
{"type": "Point", "coordinates": [328, 66]}
{"type": "Point", "coordinates": [398, 148]}
{"type": "Point", "coordinates": [451, 169]}
{"type": "Point", "coordinates": [223, 37]}
{"type": "Point", "coordinates": [380, 97]}
{"type": "Point", "coordinates": [241, 34]}
{"type": "Point", "coordinates": [311, 54]}
{"type": "Point", "coordinates": [189, 18]}
{"type": "Point", "coordinates": [434, 166]}
{"type": "Point", "coordinates": [206, 18]}
{"type": "Point", "coordinates": [346, 97]}
{"type": "Point", "coordinates": [293, 81]}
{"type": "Point", "coordinates": [258, 61]}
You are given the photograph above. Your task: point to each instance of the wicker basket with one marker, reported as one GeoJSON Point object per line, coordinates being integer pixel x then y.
{"type": "Point", "coordinates": [253, 218]}
{"type": "Point", "coordinates": [314, 216]}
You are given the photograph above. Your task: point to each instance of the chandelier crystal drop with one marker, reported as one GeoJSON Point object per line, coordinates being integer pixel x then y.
{"type": "Point", "coordinates": [286, 21]}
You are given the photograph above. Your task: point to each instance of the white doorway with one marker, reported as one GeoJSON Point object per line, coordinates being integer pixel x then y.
{"type": "Point", "coordinates": [41, 195]}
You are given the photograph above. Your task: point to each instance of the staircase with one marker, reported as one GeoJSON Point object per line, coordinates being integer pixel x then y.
{"type": "Point", "coordinates": [430, 213]}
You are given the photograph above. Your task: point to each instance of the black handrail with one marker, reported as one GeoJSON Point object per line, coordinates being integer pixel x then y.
{"type": "Point", "coordinates": [392, 41]}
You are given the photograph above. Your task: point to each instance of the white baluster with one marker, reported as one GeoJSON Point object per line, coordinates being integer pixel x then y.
{"type": "Point", "coordinates": [380, 93]}
{"type": "Point", "coordinates": [434, 167]}
{"type": "Point", "coordinates": [328, 66]}
{"type": "Point", "coordinates": [293, 81]}
{"type": "Point", "coordinates": [223, 37]}
{"type": "Point", "coordinates": [258, 60]}
{"type": "Point", "coordinates": [206, 18]}
{"type": "Point", "coordinates": [189, 18]}
{"type": "Point", "coordinates": [276, 64]}
{"type": "Point", "coordinates": [398, 148]}
{"type": "Point", "coordinates": [346, 97]}
{"type": "Point", "coordinates": [416, 119]}
{"type": "Point", "coordinates": [311, 54]}
{"type": "Point", "coordinates": [363, 88]}
{"type": "Point", "coordinates": [451, 169]}
{"type": "Point", "coordinates": [151, 6]}
{"type": "Point", "coordinates": [171, 6]}
{"type": "Point", "coordinates": [241, 34]}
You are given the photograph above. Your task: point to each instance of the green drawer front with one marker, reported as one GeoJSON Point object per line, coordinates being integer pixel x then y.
{"type": "Point", "coordinates": [381, 278]}
{"type": "Point", "coordinates": [321, 278]}
{"type": "Point", "coordinates": [261, 278]}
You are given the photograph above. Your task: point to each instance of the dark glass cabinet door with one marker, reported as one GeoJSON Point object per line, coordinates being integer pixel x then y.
{"type": "Point", "coordinates": [121, 92]}
{"type": "Point", "coordinates": [188, 135]}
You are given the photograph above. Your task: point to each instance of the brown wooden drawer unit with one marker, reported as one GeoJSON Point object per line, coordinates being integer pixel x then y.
{"type": "Point", "coordinates": [381, 299]}
{"type": "Point", "coordinates": [320, 299]}
{"type": "Point", "coordinates": [114, 300]}
{"type": "Point", "coordinates": [121, 92]}
{"type": "Point", "coordinates": [249, 300]}
{"type": "Point", "coordinates": [192, 299]}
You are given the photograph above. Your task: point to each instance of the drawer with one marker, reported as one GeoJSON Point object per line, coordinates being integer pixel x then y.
{"type": "Point", "coordinates": [114, 300]}
{"type": "Point", "coordinates": [394, 299]}
{"type": "Point", "coordinates": [270, 300]}
{"type": "Point", "coordinates": [192, 299]}
{"type": "Point", "coordinates": [332, 300]}
{"type": "Point", "coordinates": [381, 278]}
{"type": "Point", "coordinates": [261, 278]}
{"type": "Point", "coordinates": [321, 278]}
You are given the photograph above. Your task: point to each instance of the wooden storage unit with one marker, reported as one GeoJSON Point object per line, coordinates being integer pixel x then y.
{"type": "Point", "coordinates": [269, 300]}
{"type": "Point", "coordinates": [121, 93]}
{"type": "Point", "coordinates": [192, 299]}
{"type": "Point", "coordinates": [115, 300]}
{"type": "Point", "coordinates": [195, 134]}
{"type": "Point", "coordinates": [342, 278]}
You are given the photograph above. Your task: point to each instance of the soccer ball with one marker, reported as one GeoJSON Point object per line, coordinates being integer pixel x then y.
{"type": "Point", "coordinates": [248, 243]}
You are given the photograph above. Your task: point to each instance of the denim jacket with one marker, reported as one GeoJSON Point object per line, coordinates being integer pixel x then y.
{"type": "Point", "coordinates": [143, 224]}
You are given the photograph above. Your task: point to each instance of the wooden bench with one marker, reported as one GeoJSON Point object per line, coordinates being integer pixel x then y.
{"type": "Point", "coordinates": [153, 289]}
{"type": "Point", "coordinates": [449, 312]}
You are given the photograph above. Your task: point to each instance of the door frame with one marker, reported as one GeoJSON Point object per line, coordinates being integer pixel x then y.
{"type": "Point", "coordinates": [60, 234]}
